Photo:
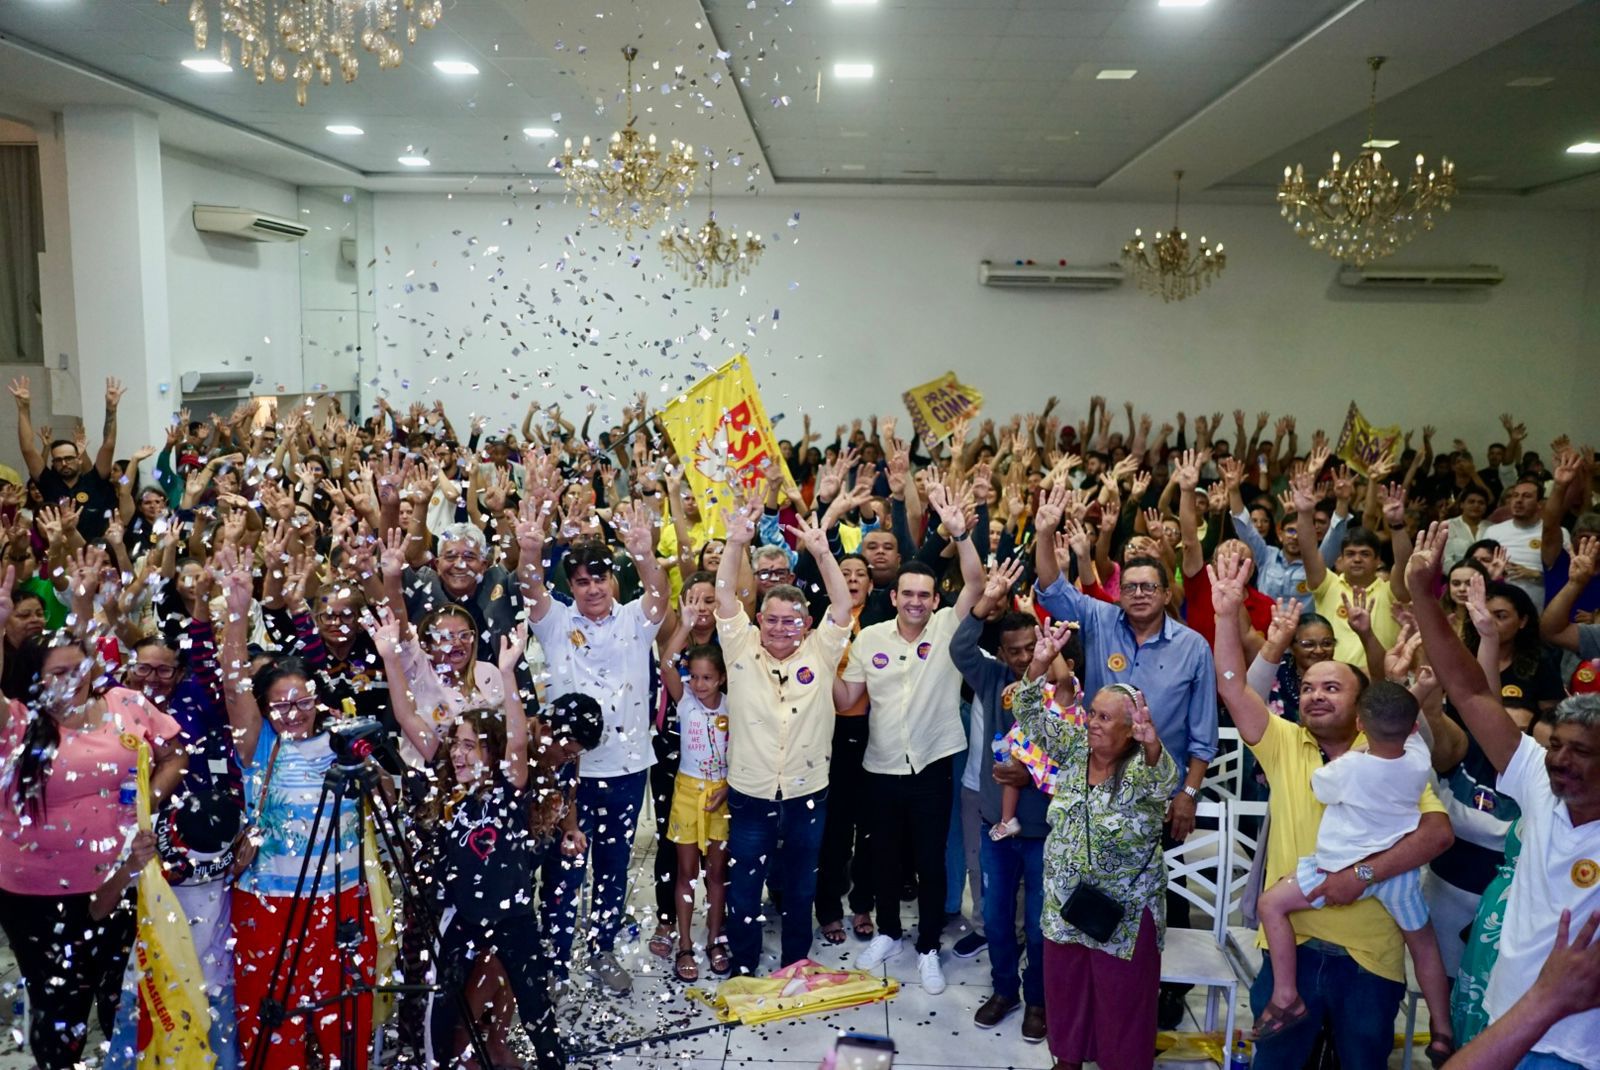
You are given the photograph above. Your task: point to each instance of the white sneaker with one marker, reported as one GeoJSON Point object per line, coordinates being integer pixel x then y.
{"type": "Point", "coordinates": [881, 949]}
{"type": "Point", "coordinates": [932, 975]}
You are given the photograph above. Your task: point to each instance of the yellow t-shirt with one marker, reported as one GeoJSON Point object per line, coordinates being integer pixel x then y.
{"type": "Point", "coordinates": [667, 550]}
{"type": "Point", "coordinates": [1348, 648]}
{"type": "Point", "coordinates": [1289, 754]}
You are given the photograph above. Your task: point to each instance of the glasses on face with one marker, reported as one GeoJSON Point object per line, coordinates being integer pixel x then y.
{"type": "Point", "coordinates": [460, 557]}
{"type": "Point", "coordinates": [1310, 645]}
{"type": "Point", "coordinates": [1142, 588]}
{"type": "Point", "coordinates": [145, 670]}
{"type": "Point", "coordinates": [449, 640]}
{"type": "Point", "coordinates": [304, 704]}
{"type": "Point", "coordinates": [773, 574]}
{"type": "Point", "coordinates": [63, 460]}
{"type": "Point", "coordinates": [783, 624]}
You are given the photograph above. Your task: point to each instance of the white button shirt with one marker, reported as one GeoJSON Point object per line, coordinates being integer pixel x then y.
{"type": "Point", "coordinates": [608, 660]}
{"type": "Point", "coordinates": [915, 691]}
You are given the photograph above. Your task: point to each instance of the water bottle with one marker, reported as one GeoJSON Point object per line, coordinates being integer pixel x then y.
{"type": "Point", "coordinates": [1240, 1059]}
{"type": "Point", "coordinates": [128, 793]}
{"type": "Point", "coordinates": [1001, 751]}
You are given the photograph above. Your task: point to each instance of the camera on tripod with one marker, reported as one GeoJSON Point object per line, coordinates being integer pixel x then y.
{"type": "Point", "coordinates": [354, 741]}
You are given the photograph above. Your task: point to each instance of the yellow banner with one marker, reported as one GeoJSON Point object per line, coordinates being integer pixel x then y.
{"type": "Point", "coordinates": [723, 437]}
{"type": "Point", "coordinates": [935, 407]}
{"type": "Point", "coordinates": [1361, 445]}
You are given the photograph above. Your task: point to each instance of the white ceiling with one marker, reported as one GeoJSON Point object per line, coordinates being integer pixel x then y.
{"type": "Point", "coordinates": [987, 97]}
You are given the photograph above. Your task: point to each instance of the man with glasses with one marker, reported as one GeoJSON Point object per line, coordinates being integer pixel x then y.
{"type": "Point", "coordinates": [91, 491]}
{"type": "Point", "coordinates": [771, 567]}
{"type": "Point", "coordinates": [461, 573]}
{"type": "Point", "coordinates": [780, 697]}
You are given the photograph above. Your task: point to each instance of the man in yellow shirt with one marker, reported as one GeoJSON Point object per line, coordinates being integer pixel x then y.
{"type": "Point", "coordinates": [1351, 958]}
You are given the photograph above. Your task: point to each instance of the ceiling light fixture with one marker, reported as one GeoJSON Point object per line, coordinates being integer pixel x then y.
{"type": "Point", "coordinates": [344, 130]}
{"type": "Point", "coordinates": [1360, 214]}
{"type": "Point", "coordinates": [634, 184]}
{"type": "Point", "coordinates": [1584, 148]}
{"type": "Point", "coordinates": [852, 71]}
{"type": "Point", "coordinates": [711, 256]}
{"type": "Point", "coordinates": [455, 67]}
{"type": "Point", "coordinates": [1115, 74]}
{"type": "Point", "coordinates": [416, 161]}
{"type": "Point", "coordinates": [306, 40]}
{"type": "Point", "coordinates": [208, 66]}
{"type": "Point", "coordinates": [538, 133]}
{"type": "Point", "coordinates": [1165, 266]}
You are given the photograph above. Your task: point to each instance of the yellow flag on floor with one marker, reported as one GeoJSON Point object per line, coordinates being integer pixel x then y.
{"type": "Point", "coordinates": [723, 437]}
{"type": "Point", "coordinates": [936, 407]}
{"type": "Point", "coordinates": [801, 988]}
{"type": "Point", "coordinates": [1361, 445]}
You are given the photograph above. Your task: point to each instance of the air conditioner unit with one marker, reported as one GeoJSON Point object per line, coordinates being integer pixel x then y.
{"type": "Point", "coordinates": [1385, 277]}
{"type": "Point", "coordinates": [246, 223]}
{"type": "Point", "coordinates": [216, 382]}
{"type": "Point", "coordinates": [1045, 277]}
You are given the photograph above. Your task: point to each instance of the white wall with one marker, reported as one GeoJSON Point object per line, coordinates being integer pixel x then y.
{"type": "Point", "coordinates": [857, 299]}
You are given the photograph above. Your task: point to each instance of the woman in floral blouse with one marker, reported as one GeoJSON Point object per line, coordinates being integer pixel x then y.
{"type": "Point", "coordinates": [1105, 826]}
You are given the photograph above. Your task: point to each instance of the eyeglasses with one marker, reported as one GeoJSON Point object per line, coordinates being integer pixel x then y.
{"type": "Point", "coordinates": [785, 624]}
{"type": "Point", "coordinates": [1315, 644]}
{"type": "Point", "coordinates": [1142, 588]}
{"type": "Point", "coordinates": [304, 704]}
{"type": "Point", "coordinates": [460, 556]}
{"type": "Point", "coordinates": [773, 574]}
{"type": "Point", "coordinates": [145, 670]}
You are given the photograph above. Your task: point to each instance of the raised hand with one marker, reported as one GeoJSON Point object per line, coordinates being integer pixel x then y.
{"type": "Point", "coordinates": [1303, 485]}
{"type": "Point", "coordinates": [1477, 605]}
{"type": "Point", "coordinates": [999, 581]}
{"type": "Point", "coordinates": [1230, 575]}
{"type": "Point", "coordinates": [1585, 556]}
{"type": "Point", "coordinates": [1402, 657]}
{"type": "Point", "coordinates": [512, 644]}
{"type": "Point", "coordinates": [946, 502]}
{"type": "Point", "coordinates": [20, 392]}
{"type": "Point", "coordinates": [810, 534]}
{"type": "Point", "coordinates": [1232, 470]}
{"type": "Point", "coordinates": [1052, 638]}
{"type": "Point", "coordinates": [635, 525]}
{"type": "Point", "coordinates": [1051, 505]}
{"type": "Point", "coordinates": [1422, 571]}
{"type": "Point", "coordinates": [392, 552]}
{"type": "Point", "coordinates": [1080, 539]}
{"type": "Point", "coordinates": [1144, 729]}
{"type": "Point", "coordinates": [1285, 622]}
{"type": "Point", "coordinates": [742, 520]}
{"type": "Point", "coordinates": [114, 392]}
{"type": "Point", "coordinates": [1187, 472]}
{"type": "Point", "coordinates": [1357, 610]}
{"type": "Point", "coordinates": [1499, 563]}
{"type": "Point", "coordinates": [1392, 496]}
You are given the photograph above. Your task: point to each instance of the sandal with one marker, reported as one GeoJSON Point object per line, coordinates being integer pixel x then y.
{"type": "Point", "coordinates": [1440, 1049]}
{"type": "Point", "coordinates": [862, 927]}
{"type": "Point", "coordinates": [661, 943]}
{"type": "Point", "coordinates": [721, 958]}
{"type": "Point", "coordinates": [1276, 1019]}
{"type": "Point", "coordinates": [833, 933]}
{"type": "Point", "coordinates": [685, 970]}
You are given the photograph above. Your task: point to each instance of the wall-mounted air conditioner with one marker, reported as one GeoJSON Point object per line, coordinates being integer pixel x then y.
{"type": "Point", "coordinates": [245, 223]}
{"type": "Point", "coordinates": [1046, 277]}
{"type": "Point", "coordinates": [1395, 277]}
{"type": "Point", "coordinates": [216, 382]}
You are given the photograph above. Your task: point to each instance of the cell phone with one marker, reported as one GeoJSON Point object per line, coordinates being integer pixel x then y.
{"type": "Point", "coordinates": [863, 1051]}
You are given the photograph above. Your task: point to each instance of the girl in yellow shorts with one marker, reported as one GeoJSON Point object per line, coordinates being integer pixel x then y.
{"type": "Point", "coordinates": [698, 823]}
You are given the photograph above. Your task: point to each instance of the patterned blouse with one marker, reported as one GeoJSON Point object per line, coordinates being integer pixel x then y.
{"type": "Point", "coordinates": [1124, 829]}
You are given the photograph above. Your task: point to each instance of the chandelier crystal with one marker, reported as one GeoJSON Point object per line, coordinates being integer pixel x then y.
{"type": "Point", "coordinates": [1165, 266]}
{"type": "Point", "coordinates": [633, 184]}
{"type": "Point", "coordinates": [710, 256]}
{"type": "Point", "coordinates": [306, 40]}
{"type": "Point", "coordinates": [1359, 213]}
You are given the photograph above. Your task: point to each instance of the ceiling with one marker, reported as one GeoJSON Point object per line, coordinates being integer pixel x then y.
{"type": "Point", "coordinates": [982, 97]}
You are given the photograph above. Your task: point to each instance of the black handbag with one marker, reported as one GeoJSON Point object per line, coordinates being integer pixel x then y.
{"type": "Point", "coordinates": [1089, 909]}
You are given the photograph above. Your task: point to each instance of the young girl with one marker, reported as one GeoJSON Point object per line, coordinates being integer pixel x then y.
{"type": "Point", "coordinates": [699, 821]}
{"type": "Point", "coordinates": [484, 861]}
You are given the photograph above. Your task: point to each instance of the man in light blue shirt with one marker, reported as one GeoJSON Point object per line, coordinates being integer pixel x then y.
{"type": "Point", "coordinates": [1280, 572]}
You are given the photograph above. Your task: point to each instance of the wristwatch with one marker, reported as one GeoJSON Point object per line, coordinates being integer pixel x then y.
{"type": "Point", "coordinates": [1193, 793]}
{"type": "Point", "coordinates": [1364, 871]}
{"type": "Point", "coordinates": [963, 537]}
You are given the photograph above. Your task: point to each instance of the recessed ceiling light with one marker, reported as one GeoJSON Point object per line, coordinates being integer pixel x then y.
{"type": "Point", "coordinates": [344, 130]}
{"type": "Point", "coordinates": [852, 70]}
{"type": "Point", "coordinates": [1584, 148]}
{"type": "Point", "coordinates": [1182, 3]}
{"type": "Point", "coordinates": [416, 161]}
{"type": "Point", "coordinates": [1380, 143]}
{"type": "Point", "coordinates": [538, 133]}
{"type": "Point", "coordinates": [1115, 74]}
{"type": "Point", "coordinates": [454, 66]}
{"type": "Point", "coordinates": [207, 66]}
{"type": "Point", "coordinates": [1530, 83]}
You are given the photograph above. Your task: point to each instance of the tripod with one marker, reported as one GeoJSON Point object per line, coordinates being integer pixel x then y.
{"type": "Point", "coordinates": [353, 781]}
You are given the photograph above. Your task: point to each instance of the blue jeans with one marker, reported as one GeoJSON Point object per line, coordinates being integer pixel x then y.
{"type": "Point", "coordinates": [1361, 1005]}
{"type": "Point", "coordinates": [756, 828]}
{"type": "Point", "coordinates": [1543, 1060]}
{"type": "Point", "coordinates": [608, 811]}
{"type": "Point", "coordinates": [1005, 864]}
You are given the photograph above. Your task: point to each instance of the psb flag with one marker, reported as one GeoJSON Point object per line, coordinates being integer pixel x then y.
{"type": "Point", "coordinates": [935, 407]}
{"type": "Point", "coordinates": [723, 437]}
{"type": "Point", "coordinates": [1361, 445]}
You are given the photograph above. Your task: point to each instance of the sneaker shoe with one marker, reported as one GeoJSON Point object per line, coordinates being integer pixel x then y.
{"type": "Point", "coordinates": [969, 945]}
{"type": "Point", "coordinates": [881, 949]}
{"type": "Point", "coordinates": [1034, 1029]}
{"type": "Point", "coordinates": [932, 975]}
{"type": "Point", "coordinates": [994, 1011]}
{"type": "Point", "coordinates": [609, 972]}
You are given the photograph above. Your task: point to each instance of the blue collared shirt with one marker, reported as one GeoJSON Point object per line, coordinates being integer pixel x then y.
{"type": "Point", "coordinates": [1173, 668]}
{"type": "Point", "coordinates": [1277, 576]}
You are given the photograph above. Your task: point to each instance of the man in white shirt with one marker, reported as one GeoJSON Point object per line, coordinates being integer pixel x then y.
{"type": "Point", "coordinates": [602, 649]}
{"type": "Point", "coordinates": [1559, 792]}
{"type": "Point", "coordinates": [1522, 537]}
{"type": "Point", "coordinates": [914, 727]}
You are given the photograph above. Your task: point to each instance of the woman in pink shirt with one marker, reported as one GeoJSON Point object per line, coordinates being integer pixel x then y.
{"type": "Point", "coordinates": [66, 857]}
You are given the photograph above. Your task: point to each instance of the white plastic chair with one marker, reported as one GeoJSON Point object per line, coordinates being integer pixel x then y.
{"type": "Point", "coordinates": [1225, 776]}
{"type": "Point", "coordinates": [1243, 849]}
{"type": "Point", "coordinates": [1197, 869]}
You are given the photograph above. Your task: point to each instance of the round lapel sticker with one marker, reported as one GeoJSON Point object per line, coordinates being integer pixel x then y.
{"type": "Point", "coordinates": [1585, 872]}
{"type": "Point", "coordinates": [1116, 663]}
{"type": "Point", "coordinates": [1511, 691]}
{"type": "Point", "coordinates": [1006, 695]}
{"type": "Point", "coordinates": [923, 649]}
{"type": "Point", "coordinates": [804, 674]}
{"type": "Point", "coordinates": [880, 661]}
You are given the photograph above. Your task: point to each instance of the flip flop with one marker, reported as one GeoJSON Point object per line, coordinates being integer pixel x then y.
{"type": "Point", "coordinates": [689, 972]}
{"type": "Point", "coordinates": [661, 945]}
{"type": "Point", "coordinates": [833, 933]}
{"type": "Point", "coordinates": [1276, 1019]}
{"type": "Point", "coordinates": [863, 929]}
{"type": "Point", "coordinates": [721, 958]}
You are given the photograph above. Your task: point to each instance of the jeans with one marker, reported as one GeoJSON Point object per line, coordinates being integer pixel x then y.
{"type": "Point", "coordinates": [1361, 1005]}
{"type": "Point", "coordinates": [912, 809]}
{"type": "Point", "coordinates": [756, 829]}
{"type": "Point", "coordinates": [1543, 1060]}
{"type": "Point", "coordinates": [1007, 863]}
{"type": "Point", "coordinates": [515, 941]}
{"type": "Point", "coordinates": [608, 810]}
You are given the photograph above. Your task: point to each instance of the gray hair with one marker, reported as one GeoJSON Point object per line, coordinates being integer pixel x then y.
{"type": "Point", "coordinates": [1587, 524]}
{"type": "Point", "coordinates": [767, 550]}
{"type": "Point", "coordinates": [1580, 710]}
{"type": "Point", "coordinates": [787, 592]}
{"type": "Point", "coordinates": [464, 532]}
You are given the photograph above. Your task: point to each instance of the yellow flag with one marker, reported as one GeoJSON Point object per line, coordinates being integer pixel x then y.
{"type": "Point", "coordinates": [1361, 445]}
{"type": "Point", "coordinates": [723, 437]}
{"type": "Point", "coordinates": [935, 407]}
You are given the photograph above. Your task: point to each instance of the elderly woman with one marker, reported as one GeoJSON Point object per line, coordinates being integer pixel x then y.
{"type": "Point", "coordinates": [1105, 833]}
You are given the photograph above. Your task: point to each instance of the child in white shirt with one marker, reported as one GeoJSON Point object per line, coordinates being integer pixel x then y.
{"type": "Point", "coordinates": [1371, 798]}
{"type": "Point", "coordinates": [698, 823]}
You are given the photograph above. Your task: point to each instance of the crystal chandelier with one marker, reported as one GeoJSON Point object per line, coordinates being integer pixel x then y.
{"type": "Point", "coordinates": [315, 36]}
{"type": "Point", "coordinates": [1165, 266]}
{"type": "Point", "coordinates": [632, 184]}
{"type": "Point", "coordinates": [710, 256]}
{"type": "Point", "coordinates": [1359, 214]}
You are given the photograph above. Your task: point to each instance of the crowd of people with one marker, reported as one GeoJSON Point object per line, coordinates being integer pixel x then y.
{"type": "Point", "coordinates": [990, 668]}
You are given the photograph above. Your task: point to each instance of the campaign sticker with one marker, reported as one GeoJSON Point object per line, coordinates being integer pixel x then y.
{"type": "Point", "coordinates": [923, 650]}
{"type": "Point", "coordinates": [880, 661]}
{"type": "Point", "coordinates": [1116, 663]}
{"type": "Point", "coordinates": [804, 675]}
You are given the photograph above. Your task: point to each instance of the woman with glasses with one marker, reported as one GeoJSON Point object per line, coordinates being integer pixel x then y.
{"type": "Point", "coordinates": [443, 676]}
{"type": "Point", "coordinates": [26, 621]}
{"type": "Point", "coordinates": [1308, 638]}
{"type": "Point", "coordinates": [278, 720]}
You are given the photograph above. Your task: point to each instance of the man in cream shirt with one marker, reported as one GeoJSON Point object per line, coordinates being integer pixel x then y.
{"type": "Point", "coordinates": [914, 727]}
{"type": "Point", "coordinates": [780, 734]}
